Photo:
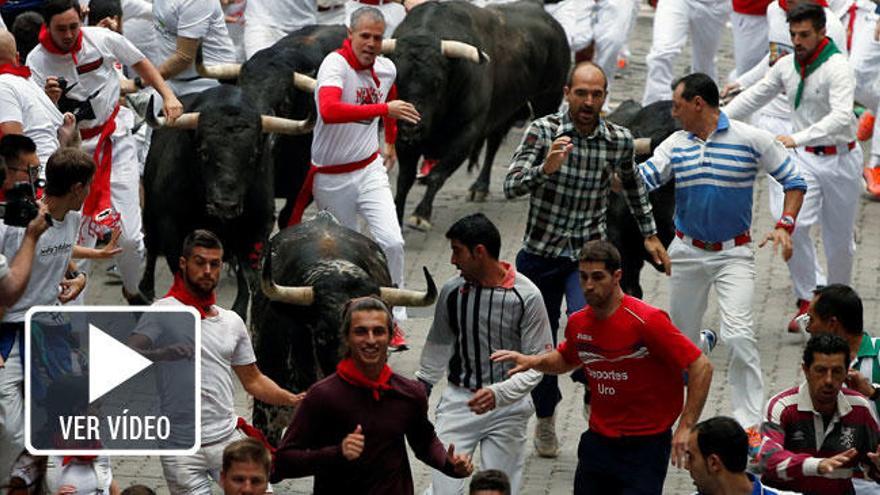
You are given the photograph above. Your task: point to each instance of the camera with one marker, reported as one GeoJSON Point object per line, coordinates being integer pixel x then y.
{"type": "Point", "coordinates": [20, 206]}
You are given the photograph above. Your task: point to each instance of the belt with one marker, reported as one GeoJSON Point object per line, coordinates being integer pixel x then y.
{"type": "Point", "coordinates": [739, 240]}
{"type": "Point", "coordinates": [831, 149]}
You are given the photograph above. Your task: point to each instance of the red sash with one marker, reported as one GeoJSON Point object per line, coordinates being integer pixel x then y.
{"type": "Point", "coordinates": [99, 199]}
{"type": "Point", "coordinates": [305, 193]}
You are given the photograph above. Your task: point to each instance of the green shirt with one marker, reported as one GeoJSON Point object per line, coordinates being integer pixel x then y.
{"type": "Point", "coordinates": [867, 361]}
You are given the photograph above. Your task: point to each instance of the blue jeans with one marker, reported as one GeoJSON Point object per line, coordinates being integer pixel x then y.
{"type": "Point", "coordinates": [555, 278]}
{"type": "Point", "coordinates": [624, 466]}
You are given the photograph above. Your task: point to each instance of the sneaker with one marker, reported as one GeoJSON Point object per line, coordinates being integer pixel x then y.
{"type": "Point", "coordinates": [803, 305]}
{"type": "Point", "coordinates": [546, 443]}
{"type": "Point", "coordinates": [708, 339]}
{"type": "Point", "coordinates": [427, 165]}
{"type": "Point", "coordinates": [866, 126]}
{"type": "Point", "coordinates": [755, 439]}
{"type": "Point", "coordinates": [872, 181]}
{"type": "Point", "coordinates": [398, 339]}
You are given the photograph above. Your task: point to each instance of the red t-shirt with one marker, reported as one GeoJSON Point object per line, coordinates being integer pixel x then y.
{"type": "Point", "coordinates": [634, 361]}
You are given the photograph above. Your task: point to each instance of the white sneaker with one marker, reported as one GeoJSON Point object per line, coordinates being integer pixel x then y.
{"type": "Point", "coordinates": [708, 339]}
{"type": "Point", "coordinates": [546, 443]}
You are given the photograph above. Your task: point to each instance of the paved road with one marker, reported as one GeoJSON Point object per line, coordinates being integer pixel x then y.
{"type": "Point", "coordinates": [779, 351]}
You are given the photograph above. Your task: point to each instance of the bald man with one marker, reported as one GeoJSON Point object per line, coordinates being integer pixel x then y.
{"type": "Point", "coordinates": [26, 109]}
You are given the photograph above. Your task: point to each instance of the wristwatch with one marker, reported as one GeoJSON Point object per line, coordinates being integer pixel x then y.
{"type": "Point", "coordinates": [138, 82]}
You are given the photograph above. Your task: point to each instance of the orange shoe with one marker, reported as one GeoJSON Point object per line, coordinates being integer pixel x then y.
{"type": "Point", "coordinates": [866, 126]}
{"type": "Point", "coordinates": [803, 305]}
{"type": "Point", "coordinates": [398, 339]}
{"type": "Point", "coordinates": [755, 440]}
{"type": "Point", "coordinates": [872, 178]}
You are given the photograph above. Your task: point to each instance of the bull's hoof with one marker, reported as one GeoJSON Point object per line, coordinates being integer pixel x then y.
{"type": "Point", "coordinates": [478, 196]}
{"type": "Point", "coordinates": [418, 223]}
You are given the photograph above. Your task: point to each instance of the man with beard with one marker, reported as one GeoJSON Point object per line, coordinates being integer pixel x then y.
{"type": "Point", "coordinates": [633, 356]}
{"type": "Point", "coordinates": [565, 163]}
{"type": "Point", "coordinates": [226, 348]}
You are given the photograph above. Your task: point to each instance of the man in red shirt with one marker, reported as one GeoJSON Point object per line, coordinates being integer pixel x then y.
{"type": "Point", "coordinates": [634, 358]}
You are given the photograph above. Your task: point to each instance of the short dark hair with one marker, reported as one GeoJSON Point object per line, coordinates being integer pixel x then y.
{"type": "Point", "coordinates": [67, 167]}
{"type": "Point", "coordinates": [585, 63]}
{"type": "Point", "coordinates": [138, 490]}
{"type": "Point", "coordinates": [842, 302]}
{"type": "Point", "coordinates": [200, 238]}
{"type": "Point", "coordinates": [825, 343]}
{"type": "Point", "coordinates": [476, 229]}
{"type": "Point", "coordinates": [54, 7]}
{"type": "Point", "coordinates": [26, 30]}
{"type": "Point", "coordinates": [490, 479]}
{"type": "Point", "coordinates": [725, 438]}
{"type": "Point", "coordinates": [698, 84]}
{"type": "Point", "coordinates": [602, 252]}
{"type": "Point", "coordinates": [365, 303]}
{"type": "Point", "coordinates": [102, 9]}
{"type": "Point", "coordinates": [807, 11]}
{"type": "Point", "coordinates": [247, 450]}
{"type": "Point", "coordinates": [12, 146]}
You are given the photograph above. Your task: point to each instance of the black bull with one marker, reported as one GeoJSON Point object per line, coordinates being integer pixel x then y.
{"type": "Point", "coordinates": [524, 62]}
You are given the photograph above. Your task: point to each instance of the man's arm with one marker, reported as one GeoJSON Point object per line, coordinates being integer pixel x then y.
{"type": "Point", "coordinates": [429, 449]}
{"type": "Point", "coordinates": [526, 171]}
{"type": "Point", "coordinates": [699, 379]}
{"type": "Point", "coordinates": [759, 94]}
{"type": "Point", "coordinates": [304, 451]}
{"type": "Point", "coordinates": [776, 160]}
{"type": "Point", "coordinates": [840, 98]}
{"type": "Point", "coordinates": [151, 77]}
{"type": "Point", "coordinates": [439, 344]}
{"type": "Point", "coordinates": [183, 57]}
{"type": "Point", "coordinates": [264, 388]}
{"type": "Point", "coordinates": [778, 464]}
{"type": "Point", "coordinates": [13, 284]}
{"type": "Point", "coordinates": [550, 363]}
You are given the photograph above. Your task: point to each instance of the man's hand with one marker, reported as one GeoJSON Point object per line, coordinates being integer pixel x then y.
{"type": "Point", "coordinates": [403, 110]}
{"type": "Point", "coordinates": [859, 382]}
{"type": "Point", "coordinates": [786, 141]}
{"type": "Point", "coordinates": [71, 287]}
{"type": "Point", "coordinates": [68, 136]}
{"type": "Point", "coordinates": [658, 253]}
{"type": "Point", "coordinates": [389, 156]}
{"type": "Point", "coordinates": [522, 362]}
{"type": "Point", "coordinates": [829, 464]}
{"type": "Point", "coordinates": [53, 89]}
{"type": "Point", "coordinates": [109, 23]}
{"type": "Point", "coordinates": [38, 225]}
{"type": "Point", "coordinates": [461, 464]}
{"type": "Point", "coordinates": [559, 151]}
{"type": "Point", "coordinates": [730, 90]}
{"type": "Point", "coordinates": [679, 446]}
{"type": "Point", "coordinates": [482, 401]}
{"type": "Point", "coordinates": [297, 398]}
{"type": "Point", "coordinates": [353, 444]}
{"type": "Point", "coordinates": [780, 237]}
{"type": "Point", "coordinates": [112, 248]}
{"type": "Point", "coordinates": [172, 108]}
{"type": "Point", "coordinates": [175, 352]}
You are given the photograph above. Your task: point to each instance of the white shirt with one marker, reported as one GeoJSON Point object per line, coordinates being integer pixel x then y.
{"type": "Point", "coordinates": [22, 101]}
{"type": "Point", "coordinates": [53, 253]}
{"type": "Point", "coordinates": [335, 144]}
{"type": "Point", "coordinates": [195, 19]}
{"type": "Point", "coordinates": [95, 72]}
{"type": "Point", "coordinates": [137, 26]}
{"type": "Point", "coordinates": [780, 45]}
{"type": "Point", "coordinates": [89, 477]}
{"type": "Point", "coordinates": [225, 343]}
{"type": "Point", "coordinates": [824, 116]}
{"type": "Point", "coordinates": [284, 15]}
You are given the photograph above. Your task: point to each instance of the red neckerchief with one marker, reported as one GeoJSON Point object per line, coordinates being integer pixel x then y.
{"type": "Point", "coordinates": [181, 292]}
{"type": "Point", "coordinates": [348, 54]}
{"type": "Point", "coordinates": [813, 57]}
{"type": "Point", "coordinates": [51, 47]}
{"type": "Point", "coordinates": [16, 70]}
{"type": "Point", "coordinates": [348, 371]}
{"type": "Point", "coordinates": [784, 4]}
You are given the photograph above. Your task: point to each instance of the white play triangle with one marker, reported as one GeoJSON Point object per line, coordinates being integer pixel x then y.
{"type": "Point", "coordinates": [110, 363]}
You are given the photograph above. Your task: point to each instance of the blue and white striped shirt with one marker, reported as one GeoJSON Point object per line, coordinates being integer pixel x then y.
{"type": "Point", "coordinates": [714, 179]}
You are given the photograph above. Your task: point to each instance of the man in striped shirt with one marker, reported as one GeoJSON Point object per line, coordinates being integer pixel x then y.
{"type": "Point", "coordinates": [714, 162]}
{"type": "Point", "coordinates": [488, 306]}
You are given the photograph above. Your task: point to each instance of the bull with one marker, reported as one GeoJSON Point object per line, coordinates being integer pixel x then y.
{"type": "Point", "coordinates": [309, 272]}
{"type": "Point", "coordinates": [205, 170]}
{"type": "Point", "coordinates": [470, 72]}
{"type": "Point", "coordinates": [650, 126]}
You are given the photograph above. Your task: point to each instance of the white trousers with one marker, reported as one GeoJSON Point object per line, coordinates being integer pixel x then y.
{"type": "Point", "coordinates": [674, 19]}
{"type": "Point", "coordinates": [125, 198]}
{"type": "Point", "coordinates": [365, 193]}
{"type": "Point", "coordinates": [732, 272]}
{"type": "Point", "coordinates": [196, 474]}
{"type": "Point", "coordinates": [393, 13]}
{"type": "Point", "coordinates": [11, 413]}
{"type": "Point", "coordinates": [259, 36]}
{"type": "Point", "coordinates": [749, 40]}
{"type": "Point", "coordinates": [500, 434]}
{"type": "Point", "coordinates": [833, 190]}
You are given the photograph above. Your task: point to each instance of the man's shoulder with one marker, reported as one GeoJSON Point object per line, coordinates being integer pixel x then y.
{"type": "Point", "coordinates": [640, 310]}
{"type": "Point", "coordinates": [750, 134]}
{"type": "Point", "coordinates": [408, 387]}
{"type": "Point", "coordinates": [384, 66]}
{"type": "Point", "coordinates": [550, 121]}
{"type": "Point", "coordinates": [781, 401]}
{"type": "Point", "coordinates": [616, 131]}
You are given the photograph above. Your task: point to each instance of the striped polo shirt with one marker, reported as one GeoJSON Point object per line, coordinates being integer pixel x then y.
{"type": "Point", "coordinates": [714, 179]}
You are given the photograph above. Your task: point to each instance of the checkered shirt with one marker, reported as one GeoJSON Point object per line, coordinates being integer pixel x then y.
{"type": "Point", "coordinates": [568, 208]}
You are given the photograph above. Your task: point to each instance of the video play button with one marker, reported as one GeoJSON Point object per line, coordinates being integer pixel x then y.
{"type": "Point", "coordinates": [112, 363]}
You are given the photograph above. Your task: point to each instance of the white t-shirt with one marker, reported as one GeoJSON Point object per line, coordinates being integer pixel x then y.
{"type": "Point", "coordinates": [53, 252]}
{"type": "Point", "coordinates": [94, 73]}
{"type": "Point", "coordinates": [89, 477]}
{"type": "Point", "coordinates": [335, 144]}
{"type": "Point", "coordinates": [21, 100]}
{"type": "Point", "coordinates": [196, 19]}
{"type": "Point", "coordinates": [225, 343]}
{"type": "Point", "coordinates": [137, 26]}
{"type": "Point", "coordinates": [284, 15]}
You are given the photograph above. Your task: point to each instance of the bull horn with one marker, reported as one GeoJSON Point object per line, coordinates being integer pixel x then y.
{"type": "Point", "coordinates": [188, 120]}
{"type": "Point", "coordinates": [220, 71]}
{"type": "Point", "coordinates": [279, 125]}
{"type": "Point", "coordinates": [388, 46]}
{"type": "Point", "coordinates": [403, 297]}
{"type": "Point", "coordinates": [299, 296]}
{"type": "Point", "coordinates": [304, 83]}
{"type": "Point", "coordinates": [459, 49]}
{"type": "Point", "coordinates": [642, 146]}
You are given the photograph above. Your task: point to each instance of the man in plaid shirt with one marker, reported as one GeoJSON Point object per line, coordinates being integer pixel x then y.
{"type": "Point", "coordinates": [565, 163]}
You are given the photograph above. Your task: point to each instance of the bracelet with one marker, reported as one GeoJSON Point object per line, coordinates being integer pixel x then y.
{"type": "Point", "coordinates": [73, 274]}
{"type": "Point", "coordinates": [138, 82]}
{"type": "Point", "coordinates": [786, 223]}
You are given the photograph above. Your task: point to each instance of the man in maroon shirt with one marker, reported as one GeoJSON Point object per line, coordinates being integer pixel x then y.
{"type": "Point", "coordinates": [633, 357]}
{"type": "Point", "coordinates": [349, 430]}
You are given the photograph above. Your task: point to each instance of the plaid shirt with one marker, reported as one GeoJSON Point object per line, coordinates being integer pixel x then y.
{"type": "Point", "coordinates": [568, 208]}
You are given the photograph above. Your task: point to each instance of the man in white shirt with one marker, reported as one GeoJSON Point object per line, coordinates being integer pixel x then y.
{"type": "Point", "coordinates": [828, 157]}
{"type": "Point", "coordinates": [226, 348]}
{"type": "Point", "coordinates": [267, 21]}
{"type": "Point", "coordinates": [86, 59]}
